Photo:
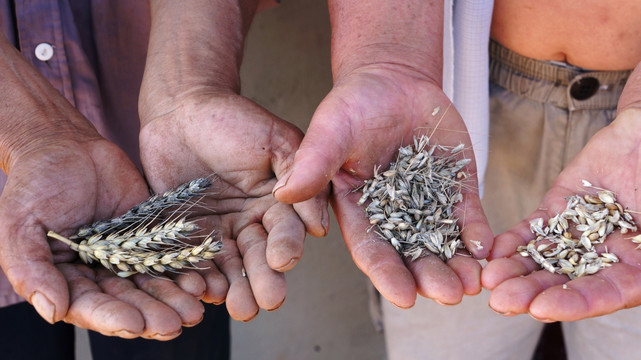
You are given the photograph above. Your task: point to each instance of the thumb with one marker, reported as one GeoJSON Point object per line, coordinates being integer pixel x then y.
{"type": "Point", "coordinates": [323, 151]}
{"type": "Point", "coordinates": [26, 259]}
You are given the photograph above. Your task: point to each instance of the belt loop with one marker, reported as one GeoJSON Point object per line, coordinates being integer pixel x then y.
{"type": "Point", "coordinates": [576, 88]}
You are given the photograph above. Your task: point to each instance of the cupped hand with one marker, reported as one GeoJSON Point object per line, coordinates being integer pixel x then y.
{"type": "Point", "coordinates": [367, 116]}
{"type": "Point", "coordinates": [245, 149]}
{"type": "Point", "coordinates": [610, 160]}
{"type": "Point", "coordinates": [61, 186]}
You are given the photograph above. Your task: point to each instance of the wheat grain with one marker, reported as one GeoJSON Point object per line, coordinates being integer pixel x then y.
{"type": "Point", "coordinates": [412, 203]}
{"type": "Point", "coordinates": [148, 208]}
{"type": "Point", "coordinates": [594, 217]}
{"type": "Point", "coordinates": [145, 240]}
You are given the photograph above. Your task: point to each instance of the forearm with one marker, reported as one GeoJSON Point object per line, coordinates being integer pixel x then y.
{"type": "Point", "coordinates": [194, 44]}
{"type": "Point", "coordinates": [405, 33]}
{"type": "Point", "coordinates": [631, 95]}
{"type": "Point", "coordinates": [32, 112]}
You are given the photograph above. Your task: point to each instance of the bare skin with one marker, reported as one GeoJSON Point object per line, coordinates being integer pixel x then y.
{"type": "Point", "coordinates": [557, 29]}
{"type": "Point", "coordinates": [592, 36]}
{"type": "Point", "coordinates": [194, 123]}
{"type": "Point", "coordinates": [386, 63]}
{"type": "Point", "coordinates": [61, 175]}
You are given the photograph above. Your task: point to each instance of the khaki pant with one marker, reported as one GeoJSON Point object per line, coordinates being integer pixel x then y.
{"type": "Point", "coordinates": [541, 116]}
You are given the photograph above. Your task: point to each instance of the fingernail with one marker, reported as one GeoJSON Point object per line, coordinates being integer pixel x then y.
{"type": "Point", "coordinates": [545, 320]}
{"type": "Point", "coordinates": [289, 265]}
{"type": "Point", "coordinates": [281, 183]}
{"type": "Point", "coordinates": [325, 221]}
{"type": "Point", "coordinates": [443, 303]}
{"type": "Point", "coordinates": [506, 313]}
{"type": "Point", "coordinates": [169, 336]}
{"type": "Point", "coordinates": [251, 317]}
{"type": "Point", "coordinates": [125, 334]}
{"type": "Point", "coordinates": [194, 323]}
{"type": "Point", "coordinates": [401, 306]}
{"type": "Point", "coordinates": [43, 306]}
{"type": "Point", "coordinates": [277, 306]}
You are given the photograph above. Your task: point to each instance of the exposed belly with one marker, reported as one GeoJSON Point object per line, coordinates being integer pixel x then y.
{"type": "Point", "coordinates": [592, 34]}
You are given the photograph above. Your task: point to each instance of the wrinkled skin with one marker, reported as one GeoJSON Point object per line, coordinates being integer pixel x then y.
{"type": "Point", "coordinates": [245, 148]}
{"type": "Point", "coordinates": [60, 186]}
{"type": "Point", "coordinates": [362, 122]}
{"type": "Point", "coordinates": [610, 160]}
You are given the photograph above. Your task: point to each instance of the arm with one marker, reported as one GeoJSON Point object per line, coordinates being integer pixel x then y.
{"type": "Point", "coordinates": [61, 175]}
{"type": "Point", "coordinates": [194, 123]}
{"type": "Point", "coordinates": [609, 160]}
{"type": "Point", "coordinates": [387, 66]}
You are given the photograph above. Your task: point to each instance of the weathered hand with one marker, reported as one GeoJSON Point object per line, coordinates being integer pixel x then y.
{"type": "Point", "coordinates": [60, 186]}
{"type": "Point", "coordinates": [361, 123]}
{"type": "Point", "coordinates": [611, 161]}
{"type": "Point", "coordinates": [245, 148]}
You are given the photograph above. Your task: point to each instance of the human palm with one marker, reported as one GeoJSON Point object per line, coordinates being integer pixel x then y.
{"type": "Point", "coordinates": [244, 148]}
{"type": "Point", "coordinates": [361, 123]}
{"type": "Point", "coordinates": [610, 160]}
{"type": "Point", "coordinates": [61, 186]}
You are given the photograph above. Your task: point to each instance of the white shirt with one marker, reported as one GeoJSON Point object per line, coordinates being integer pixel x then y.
{"type": "Point", "coordinates": [466, 70]}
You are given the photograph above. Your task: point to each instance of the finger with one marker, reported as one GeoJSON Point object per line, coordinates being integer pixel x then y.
{"type": "Point", "coordinates": [506, 244]}
{"type": "Point", "coordinates": [315, 214]}
{"type": "Point", "coordinates": [188, 308]}
{"type": "Point", "coordinates": [191, 282]}
{"type": "Point", "coordinates": [311, 207]}
{"type": "Point", "coordinates": [27, 262]}
{"type": "Point", "coordinates": [611, 289]}
{"type": "Point", "coordinates": [92, 309]}
{"type": "Point", "coordinates": [216, 283]}
{"type": "Point", "coordinates": [468, 271]}
{"type": "Point", "coordinates": [475, 230]}
{"type": "Point", "coordinates": [268, 286]}
{"type": "Point", "coordinates": [375, 257]}
{"type": "Point", "coordinates": [161, 321]}
{"type": "Point", "coordinates": [514, 296]}
{"type": "Point", "coordinates": [435, 280]}
{"type": "Point", "coordinates": [285, 241]}
{"type": "Point", "coordinates": [503, 269]}
{"type": "Point", "coordinates": [321, 154]}
{"type": "Point", "coordinates": [240, 301]}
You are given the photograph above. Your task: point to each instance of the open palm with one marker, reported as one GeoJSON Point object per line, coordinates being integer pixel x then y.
{"type": "Point", "coordinates": [245, 148]}
{"type": "Point", "coordinates": [361, 123]}
{"type": "Point", "coordinates": [610, 160]}
{"type": "Point", "coordinates": [60, 187]}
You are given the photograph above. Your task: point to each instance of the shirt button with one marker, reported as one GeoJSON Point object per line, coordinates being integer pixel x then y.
{"type": "Point", "coordinates": [44, 52]}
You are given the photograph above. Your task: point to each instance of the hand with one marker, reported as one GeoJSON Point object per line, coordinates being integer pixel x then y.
{"type": "Point", "coordinates": [246, 148]}
{"type": "Point", "coordinates": [361, 123]}
{"type": "Point", "coordinates": [60, 186]}
{"type": "Point", "coordinates": [610, 160]}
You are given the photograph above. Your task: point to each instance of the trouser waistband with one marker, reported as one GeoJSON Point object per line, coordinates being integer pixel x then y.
{"type": "Point", "coordinates": [543, 81]}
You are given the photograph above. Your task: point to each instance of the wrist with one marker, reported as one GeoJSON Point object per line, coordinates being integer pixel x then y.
{"type": "Point", "coordinates": [382, 58]}
{"type": "Point", "coordinates": [631, 95]}
{"type": "Point", "coordinates": [33, 113]}
{"type": "Point", "coordinates": [37, 128]}
{"type": "Point", "coordinates": [385, 33]}
{"type": "Point", "coordinates": [195, 46]}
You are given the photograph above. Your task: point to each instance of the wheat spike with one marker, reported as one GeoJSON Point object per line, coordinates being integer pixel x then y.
{"type": "Point", "coordinates": [143, 240]}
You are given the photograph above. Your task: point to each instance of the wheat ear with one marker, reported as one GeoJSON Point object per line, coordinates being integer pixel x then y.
{"type": "Point", "coordinates": [143, 241]}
